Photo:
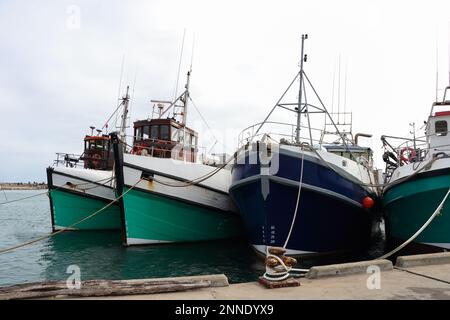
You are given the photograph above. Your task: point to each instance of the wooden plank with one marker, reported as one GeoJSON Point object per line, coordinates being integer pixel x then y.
{"type": "Point", "coordinates": [99, 288]}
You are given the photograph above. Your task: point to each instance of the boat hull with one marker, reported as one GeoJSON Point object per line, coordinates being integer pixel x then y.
{"type": "Point", "coordinates": [409, 204]}
{"type": "Point", "coordinates": [158, 205]}
{"type": "Point", "coordinates": [330, 218]}
{"type": "Point", "coordinates": [152, 219]}
{"type": "Point", "coordinates": [70, 204]}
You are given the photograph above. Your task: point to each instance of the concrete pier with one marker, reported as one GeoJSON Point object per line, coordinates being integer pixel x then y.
{"type": "Point", "coordinates": [421, 277]}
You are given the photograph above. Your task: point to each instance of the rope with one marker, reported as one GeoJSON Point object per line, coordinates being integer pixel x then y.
{"type": "Point", "coordinates": [414, 236]}
{"type": "Point", "coordinates": [69, 227]}
{"type": "Point", "coordinates": [297, 204]}
{"type": "Point", "coordinates": [48, 192]}
{"type": "Point", "coordinates": [278, 275]}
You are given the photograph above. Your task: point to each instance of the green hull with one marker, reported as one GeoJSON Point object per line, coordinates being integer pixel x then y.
{"type": "Point", "coordinates": [410, 204]}
{"type": "Point", "coordinates": [69, 208]}
{"type": "Point", "coordinates": [151, 218]}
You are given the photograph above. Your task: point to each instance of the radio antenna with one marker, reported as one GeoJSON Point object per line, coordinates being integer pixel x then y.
{"type": "Point", "coordinates": [179, 66]}
{"type": "Point", "coordinates": [437, 63]}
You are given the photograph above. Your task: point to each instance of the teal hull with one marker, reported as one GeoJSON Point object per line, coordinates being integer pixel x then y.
{"type": "Point", "coordinates": [151, 218]}
{"type": "Point", "coordinates": [70, 208]}
{"type": "Point", "coordinates": [410, 204]}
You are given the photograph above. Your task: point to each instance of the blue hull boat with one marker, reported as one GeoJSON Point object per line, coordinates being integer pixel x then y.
{"type": "Point", "coordinates": [299, 192]}
{"type": "Point", "coordinates": [330, 217]}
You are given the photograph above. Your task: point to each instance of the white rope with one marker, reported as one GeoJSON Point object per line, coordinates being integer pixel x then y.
{"type": "Point", "coordinates": [282, 274]}
{"type": "Point", "coordinates": [69, 228]}
{"type": "Point", "coordinates": [414, 236]}
{"type": "Point", "coordinates": [298, 200]}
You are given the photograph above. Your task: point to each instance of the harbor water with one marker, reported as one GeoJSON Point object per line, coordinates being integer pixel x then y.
{"type": "Point", "coordinates": [100, 255]}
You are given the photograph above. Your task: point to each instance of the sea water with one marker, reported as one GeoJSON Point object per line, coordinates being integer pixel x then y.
{"type": "Point", "coordinates": [100, 255]}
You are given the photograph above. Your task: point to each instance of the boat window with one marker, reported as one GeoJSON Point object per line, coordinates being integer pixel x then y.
{"type": "Point", "coordinates": [146, 132]}
{"type": "Point", "coordinates": [181, 136]}
{"type": "Point", "coordinates": [164, 133]}
{"type": "Point", "coordinates": [174, 133]}
{"type": "Point", "coordinates": [138, 133]}
{"type": "Point", "coordinates": [441, 128]}
{"type": "Point", "coordinates": [194, 141]}
{"type": "Point", "coordinates": [154, 132]}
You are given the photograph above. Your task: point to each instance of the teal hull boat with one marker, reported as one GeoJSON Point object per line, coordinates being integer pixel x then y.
{"type": "Point", "coordinates": [152, 219]}
{"type": "Point", "coordinates": [417, 179]}
{"type": "Point", "coordinates": [74, 197]}
{"type": "Point", "coordinates": [410, 204]}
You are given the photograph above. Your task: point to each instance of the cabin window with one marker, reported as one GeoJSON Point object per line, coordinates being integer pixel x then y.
{"type": "Point", "coordinates": [146, 132]}
{"type": "Point", "coordinates": [164, 133]}
{"type": "Point", "coordinates": [138, 134]}
{"type": "Point", "coordinates": [194, 141]}
{"type": "Point", "coordinates": [181, 136]}
{"type": "Point", "coordinates": [154, 132]}
{"type": "Point", "coordinates": [441, 128]}
{"type": "Point", "coordinates": [174, 133]}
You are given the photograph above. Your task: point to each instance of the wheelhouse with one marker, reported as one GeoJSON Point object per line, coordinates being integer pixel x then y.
{"type": "Point", "coordinates": [353, 152]}
{"type": "Point", "coordinates": [165, 138]}
{"type": "Point", "coordinates": [97, 153]}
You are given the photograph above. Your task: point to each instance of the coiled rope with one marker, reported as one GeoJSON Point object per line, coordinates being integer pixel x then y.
{"type": "Point", "coordinates": [69, 227]}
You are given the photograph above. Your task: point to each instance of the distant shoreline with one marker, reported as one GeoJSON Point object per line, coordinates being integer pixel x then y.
{"type": "Point", "coordinates": [23, 186]}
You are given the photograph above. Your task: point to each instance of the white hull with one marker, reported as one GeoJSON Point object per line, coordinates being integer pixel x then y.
{"type": "Point", "coordinates": [91, 182]}
{"type": "Point", "coordinates": [167, 173]}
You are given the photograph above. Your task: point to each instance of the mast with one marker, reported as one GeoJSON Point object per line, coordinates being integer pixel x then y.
{"type": "Point", "coordinates": [123, 124]}
{"type": "Point", "coordinates": [186, 98]}
{"type": "Point", "coordinates": [300, 94]}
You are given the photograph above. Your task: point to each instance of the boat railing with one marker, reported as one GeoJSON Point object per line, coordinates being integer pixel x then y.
{"type": "Point", "coordinates": [68, 160]}
{"type": "Point", "coordinates": [408, 150]}
{"type": "Point", "coordinates": [287, 131]}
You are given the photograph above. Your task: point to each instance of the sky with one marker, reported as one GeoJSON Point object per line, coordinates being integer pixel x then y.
{"type": "Point", "coordinates": [61, 62]}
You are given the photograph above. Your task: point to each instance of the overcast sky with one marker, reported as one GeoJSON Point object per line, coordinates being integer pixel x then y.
{"type": "Point", "coordinates": [61, 61]}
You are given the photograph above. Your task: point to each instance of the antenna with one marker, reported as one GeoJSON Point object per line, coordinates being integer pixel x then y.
{"type": "Point", "coordinates": [132, 92]}
{"type": "Point", "coordinates": [345, 88]}
{"type": "Point", "coordinates": [121, 77]}
{"type": "Point", "coordinates": [339, 90]}
{"type": "Point", "coordinates": [300, 95]}
{"type": "Point", "coordinates": [192, 54]}
{"type": "Point", "coordinates": [179, 65]}
{"type": "Point", "coordinates": [334, 80]}
{"type": "Point", "coordinates": [437, 63]}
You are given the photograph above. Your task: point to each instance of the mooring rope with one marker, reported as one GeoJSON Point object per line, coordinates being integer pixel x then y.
{"type": "Point", "coordinates": [58, 188]}
{"type": "Point", "coordinates": [415, 235]}
{"type": "Point", "coordinates": [69, 227]}
{"type": "Point", "coordinates": [279, 275]}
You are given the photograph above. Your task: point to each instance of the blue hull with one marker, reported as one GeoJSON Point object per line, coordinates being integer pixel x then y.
{"type": "Point", "coordinates": [330, 217]}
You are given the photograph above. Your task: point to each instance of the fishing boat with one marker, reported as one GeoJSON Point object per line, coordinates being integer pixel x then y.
{"type": "Point", "coordinates": [298, 191]}
{"type": "Point", "coordinates": [165, 193]}
{"type": "Point", "coordinates": [79, 186]}
{"type": "Point", "coordinates": [417, 179]}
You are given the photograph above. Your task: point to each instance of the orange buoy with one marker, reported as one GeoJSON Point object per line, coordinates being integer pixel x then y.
{"type": "Point", "coordinates": [368, 202]}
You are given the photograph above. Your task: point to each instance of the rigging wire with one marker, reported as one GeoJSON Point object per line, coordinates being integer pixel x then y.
{"type": "Point", "coordinates": [3, 251]}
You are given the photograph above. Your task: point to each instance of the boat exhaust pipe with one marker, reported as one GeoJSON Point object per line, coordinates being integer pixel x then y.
{"type": "Point", "coordinates": [365, 135]}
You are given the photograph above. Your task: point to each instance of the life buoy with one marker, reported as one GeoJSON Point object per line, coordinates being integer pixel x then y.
{"type": "Point", "coordinates": [96, 160]}
{"type": "Point", "coordinates": [137, 150]}
{"type": "Point", "coordinates": [407, 158]}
